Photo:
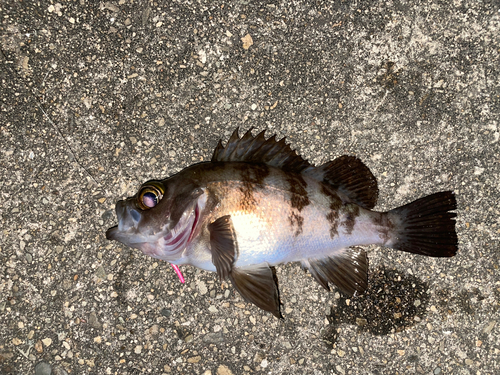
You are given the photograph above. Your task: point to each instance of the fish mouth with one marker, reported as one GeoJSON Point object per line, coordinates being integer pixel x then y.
{"type": "Point", "coordinates": [176, 239]}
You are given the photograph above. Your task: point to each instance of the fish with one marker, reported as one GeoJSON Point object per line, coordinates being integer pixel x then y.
{"type": "Point", "coordinates": [258, 204]}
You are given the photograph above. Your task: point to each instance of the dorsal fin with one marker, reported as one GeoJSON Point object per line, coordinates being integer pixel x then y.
{"type": "Point", "coordinates": [258, 149]}
{"type": "Point", "coordinates": [348, 175]}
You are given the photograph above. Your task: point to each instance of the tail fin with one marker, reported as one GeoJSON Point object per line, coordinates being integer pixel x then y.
{"type": "Point", "coordinates": [426, 226]}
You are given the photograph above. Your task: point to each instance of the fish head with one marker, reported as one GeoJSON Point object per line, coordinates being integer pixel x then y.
{"type": "Point", "coordinates": [161, 219]}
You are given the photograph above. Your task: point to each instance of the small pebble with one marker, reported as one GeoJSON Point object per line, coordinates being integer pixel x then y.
{"type": "Point", "coordinates": [165, 312]}
{"type": "Point", "coordinates": [224, 370]}
{"type": "Point", "coordinates": [43, 368]}
{"type": "Point", "coordinates": [247, 41]}
{"type": "Point", "coordinates": [202, 287]}
{"type": "Point", "coordinates": [194, 359]}
{"type": "Point", "coordinates": [39, 347]}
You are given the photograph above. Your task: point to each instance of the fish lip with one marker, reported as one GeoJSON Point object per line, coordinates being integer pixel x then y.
{"type": "Point", "coordinates": [111, 233]}
{"type": "Point", "coordinates": [115, 234]}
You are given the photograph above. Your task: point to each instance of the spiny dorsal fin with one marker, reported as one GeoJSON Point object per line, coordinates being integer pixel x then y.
{"type": "Point", "coordinates": [258, 149]}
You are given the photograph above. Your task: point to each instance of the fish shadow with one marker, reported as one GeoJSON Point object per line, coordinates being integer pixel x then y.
{"type": "Point", "coordinates": [393, 302]}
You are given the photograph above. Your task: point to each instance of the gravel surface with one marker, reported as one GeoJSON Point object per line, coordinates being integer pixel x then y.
{"type": "Point", "coordinates": [98, 97]}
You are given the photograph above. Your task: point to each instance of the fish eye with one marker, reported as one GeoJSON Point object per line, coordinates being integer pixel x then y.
{"type": "Point", "coordinates": [149, 196]}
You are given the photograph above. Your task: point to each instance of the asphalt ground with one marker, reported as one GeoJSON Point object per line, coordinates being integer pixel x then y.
{"type": "Point", "coordinates": [98, 97]}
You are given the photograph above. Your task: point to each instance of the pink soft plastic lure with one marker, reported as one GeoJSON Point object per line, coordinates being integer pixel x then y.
{"type": "Point", "coordinates": [179, 273]}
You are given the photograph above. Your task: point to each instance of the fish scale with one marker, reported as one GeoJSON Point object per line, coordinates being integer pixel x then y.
{"type": "Point", "coordinates": [258, 204]}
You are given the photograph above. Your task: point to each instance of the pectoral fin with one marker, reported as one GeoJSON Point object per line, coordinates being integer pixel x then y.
{"type": "Point", "coordinates": [348, 271]}
{"type": "Point", "coordinates": [258, 285]}
{"type": "Point", "coordinates": [223, 245]}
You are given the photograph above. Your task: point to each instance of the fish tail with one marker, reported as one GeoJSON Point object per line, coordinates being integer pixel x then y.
{"type": "Point", "coordinates": [426, 226]}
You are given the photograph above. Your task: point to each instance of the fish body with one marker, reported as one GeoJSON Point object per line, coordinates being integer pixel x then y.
{"type": "Point", "coordinates": [267, 225]}
{"type": "Point", "coordinates": [258, 204]}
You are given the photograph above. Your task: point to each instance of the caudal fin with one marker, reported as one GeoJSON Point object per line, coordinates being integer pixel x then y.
{"type": "Point", "coordinates": [426, 226]}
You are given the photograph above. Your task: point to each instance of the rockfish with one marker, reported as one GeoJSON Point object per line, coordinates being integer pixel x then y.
{"type": "Point", "coordinates": [258, 204]}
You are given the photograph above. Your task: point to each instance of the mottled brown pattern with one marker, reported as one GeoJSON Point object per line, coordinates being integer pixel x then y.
{"type": "Point", "coordinates": [298, 198]}
{"type": "Point", "coordinates": [296, 220]}
{"type": "Point", "coordinates": [384, 225]}
{"type": "Point", "coordinates": [335, 205]}
{"type": "Point", "coordinates": [252, 176]}
{"type": "Point", "coordinates": [333, 198]}
{"type": "Point", "coordinates": [332, 218]}
{"type": "Point", "coordinates": [351, 213]}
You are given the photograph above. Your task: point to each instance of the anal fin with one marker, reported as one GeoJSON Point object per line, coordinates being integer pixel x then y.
{"type": "Point", "coordinates": [348, 270]}
{"type": "Point", "coordinates": [257, 285]}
